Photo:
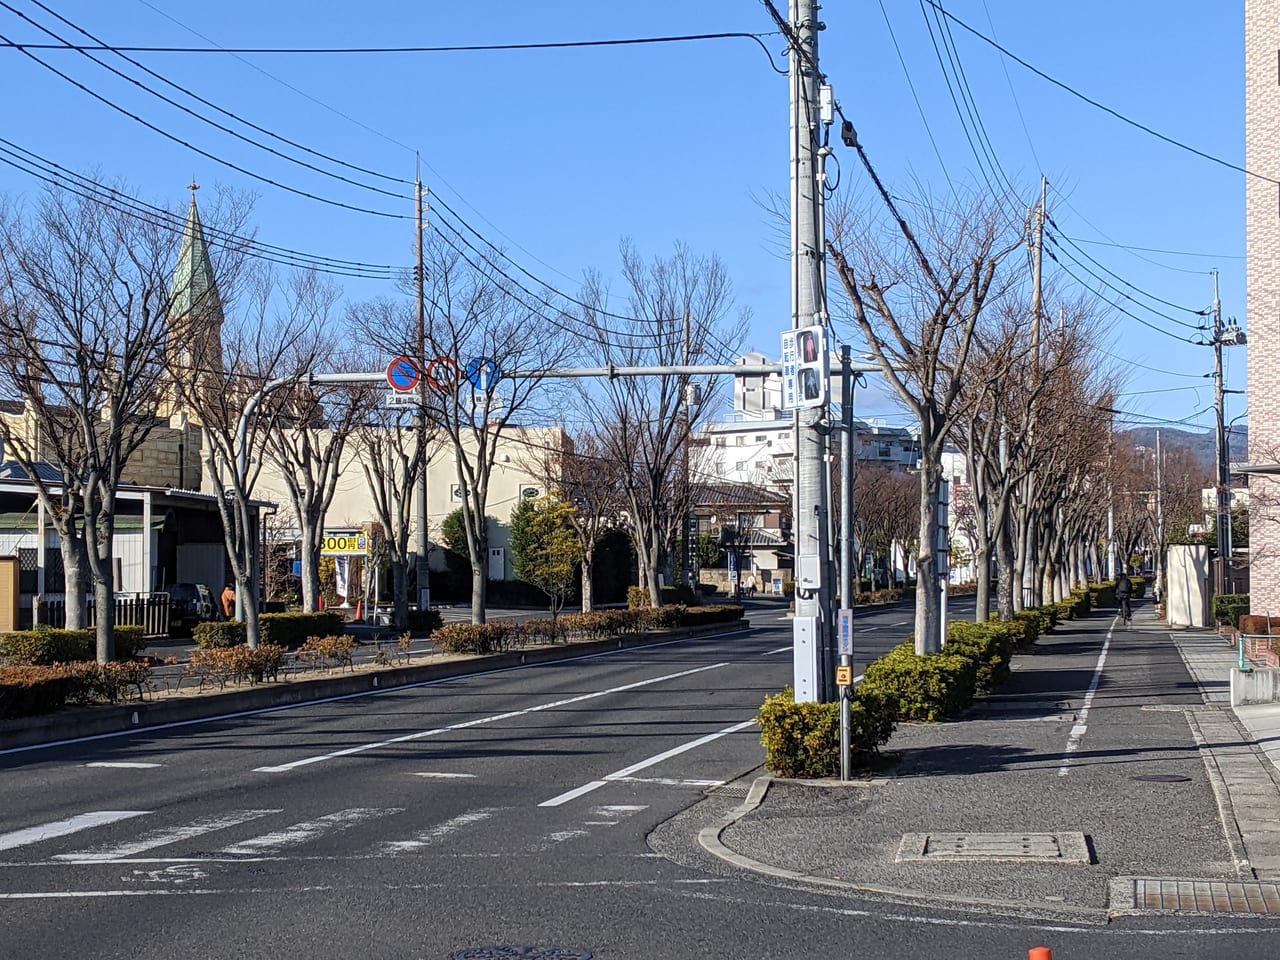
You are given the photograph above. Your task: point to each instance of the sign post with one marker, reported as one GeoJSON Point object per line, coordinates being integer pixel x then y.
{"type": "Point", "coordinates": [844, 681]}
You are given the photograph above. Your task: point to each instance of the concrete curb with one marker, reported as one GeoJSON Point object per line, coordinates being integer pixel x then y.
{"type": "Point", "coordinates": [709, 840]}
{"type": "Point", "coordinates": [117, 719]}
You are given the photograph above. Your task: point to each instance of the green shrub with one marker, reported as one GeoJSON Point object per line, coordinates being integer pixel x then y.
{"type": "Point", "coordinates": [1084, 600]}
{"type": "Point", "coordinates": [679, 593]}
{"type": "Point", "coordinates": [803, 739]}
{"type": "Point", "coordinates": [29, 690]}
{"type": "Point", "coordinates": [45, 645]}
{"type": "Point", "coordinates": [218, 634]}
{"type": "Point", "coordinates": [637, 597]}
{"type": "Point", "coordinates": [929, 687]}
{"type": "Point", "coordinates": [1033, 625]}
{"type": "Point", "coordinates": [291, 630]}
{"type": "Point", "coordinates": [989, 645]}
{"type": "Point", "coordinates": [1139, 585]}
{"type": "Point", "coordinates": [1230, 607]}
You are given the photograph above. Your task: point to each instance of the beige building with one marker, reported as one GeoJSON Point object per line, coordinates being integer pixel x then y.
{"type": "Point", "coordinates": [1262, 217]}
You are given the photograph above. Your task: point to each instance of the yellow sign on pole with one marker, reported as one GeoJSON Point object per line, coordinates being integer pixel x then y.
{"type": "Point", "coordinates": [345, 545]}
{"type": "Point", "coordinates": [844, 676]}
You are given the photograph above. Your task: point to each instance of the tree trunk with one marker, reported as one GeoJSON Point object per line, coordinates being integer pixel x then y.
{"type": "Point", "coordinates": [400, 592]}
{"type": "Point", "coordinates": [310, 574]}
{"type": "Point", "coordinates": [588, 571]}
{"type": "Point", "coordinates": [104, 600]}
{"type": "Point", "coordinates": [1007, 570]}
{"type": "Point", "coordinates": [75, 563]}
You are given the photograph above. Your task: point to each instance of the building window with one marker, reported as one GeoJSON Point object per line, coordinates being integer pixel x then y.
{"type": "Point", "coordinates": [739, 441]}
{"type": "Point", "coordinates": [761, 438]}
{"type": "Point", "coordinates": [720, 441]}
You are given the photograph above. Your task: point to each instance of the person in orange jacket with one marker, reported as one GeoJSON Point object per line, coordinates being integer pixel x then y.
{"type": "Point", "coordinates": [229, 601]}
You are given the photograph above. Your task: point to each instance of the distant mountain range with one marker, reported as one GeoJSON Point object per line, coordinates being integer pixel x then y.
{"type": "Point", "coordinates": [1202, 444]}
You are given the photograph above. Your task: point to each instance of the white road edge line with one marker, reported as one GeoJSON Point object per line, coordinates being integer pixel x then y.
{"type": "Point", "coordinates": [351, 696]}
{"type": "Point", "coordinates": [123, 764]}
{"type": "Point", "coordinates": [1081, 727]}
{"type": "Point", "coordinates": [626, 772]}
{"type": "Point", "coordinates": [480, 721]}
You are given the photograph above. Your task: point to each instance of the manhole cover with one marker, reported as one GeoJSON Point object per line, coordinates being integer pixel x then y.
{"type": "Point", "coordinates": [1033, 847]}
{"type": "Point", "coordinates": [1162, 778]}
{"type": "Point", "coordinates": [529, 953]}
{"type": "Point", "coordinates": [1194, 896]}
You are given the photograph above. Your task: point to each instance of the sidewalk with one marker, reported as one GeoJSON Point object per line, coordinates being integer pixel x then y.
{"type": "Point", "coordinates": [1108, 776]}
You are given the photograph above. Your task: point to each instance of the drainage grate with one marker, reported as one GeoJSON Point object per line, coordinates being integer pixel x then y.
{"type": "Point", "coordinates": [527, 953]}
{"type": "Point", "coordinates": [1013, 847]}
{"type": "Point", "coordinates": [734, 791]}
{"type": "Point", "coordinates": [1195, 896]}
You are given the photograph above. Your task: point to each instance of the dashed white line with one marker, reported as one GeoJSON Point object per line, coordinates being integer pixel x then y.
{"type": "Point", "coordinates": [123, 764]}
{"type": "Point", "coordinates": [161, 838]}
{"type": "Point", "coordinates": [1079, 730]}
{"type": "Point", "coordinates": [350, 751]}
{"type": "Point", "coordinates": [446, 776]}
{"type": "Point", "coordinates": [307, 830]}
{"type": "Point", "coordinates": [429, 836]}
{"type": "Point", "coordinates": [60, 828]}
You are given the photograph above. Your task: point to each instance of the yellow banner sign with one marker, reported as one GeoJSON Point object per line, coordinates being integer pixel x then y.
{"type": "Point", "coordinates": [345, 545]}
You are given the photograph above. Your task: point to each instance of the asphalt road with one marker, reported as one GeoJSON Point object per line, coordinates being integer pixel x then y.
{"type": "Point", "coordinates": [529, 807]}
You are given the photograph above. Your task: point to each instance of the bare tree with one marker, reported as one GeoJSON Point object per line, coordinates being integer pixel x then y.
{"type": "Point", "coordinates": [272, 342]}
{"type": "Point", "coordinates": [309, 437]}
{"type": "Point", "coordinates": [680, 305]}
{"type": "Point", "coordinates": [918, 303]}
{"type": "Point", "coordinates": [85, 326]}
{"type": "Point", "coordinates": [393, 453]}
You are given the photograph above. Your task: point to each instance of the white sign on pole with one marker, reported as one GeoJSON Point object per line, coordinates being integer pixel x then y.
{"type": "Point", "coordinates": [806, 368]}
{"type": "Point", "coordinates": [401, 401]}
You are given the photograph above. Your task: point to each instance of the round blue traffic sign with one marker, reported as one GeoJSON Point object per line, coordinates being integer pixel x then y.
{"type": "Point", "coordinates": [483, 373]}
{"type": "Point", "coordinates": [403, 374]}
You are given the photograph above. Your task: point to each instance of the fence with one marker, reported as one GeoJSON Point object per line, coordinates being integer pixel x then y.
{"type": "Point", "coordinates": [147, 610]}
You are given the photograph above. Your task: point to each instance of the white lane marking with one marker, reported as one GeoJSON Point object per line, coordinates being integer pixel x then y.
{"type": "Point", "coordinates": [440, 830]}
{"type": "Point", "coordinates": [446, 776]}
{"type": "Point", "coordinates": [901, 623]}
{"type": "Point", "coordinates": [769, 653]}
{"type": "Point", "coordinates": [671, 782]}
{"type": "Point", "coordinates": [349, 751]}
{"type": "Point", "coordinates": [1079, 730]}
{"type": "Point", "coordinates": [626, 772]}
{"type": "Point", "coordinates": [355, 696]}
{"type": "Point", "coordinates": [123, 764]}
{"type": "Point", "coordinates": [560, 836]}
{"type": "Point", "coordinates": [60, 828]}
{"type": "Point", "coordinates": [161, 838]}
{"type": "Point", "coordinates": [307, 830]}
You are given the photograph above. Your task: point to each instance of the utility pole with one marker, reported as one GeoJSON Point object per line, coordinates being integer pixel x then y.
{"type": "Point", "coordinates": [1159, 515]}
{"type": "Point", "coordinates": [848, 575]}
{"type": "Point", "coordinates": [813, 652]}
{"type": "Point", "coordinates": [423, 539]}
{"type": "Point", "coordinates": [1223, 479]}
{"type": "Point", "coordinates": [686, 563]}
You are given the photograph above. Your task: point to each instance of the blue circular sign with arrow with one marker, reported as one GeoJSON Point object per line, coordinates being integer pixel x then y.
{"type": "Point", "coordinates": [483, 373]}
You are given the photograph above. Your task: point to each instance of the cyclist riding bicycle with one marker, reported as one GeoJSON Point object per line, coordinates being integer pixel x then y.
{"type": "Point", "coordinates": [1124, 590]}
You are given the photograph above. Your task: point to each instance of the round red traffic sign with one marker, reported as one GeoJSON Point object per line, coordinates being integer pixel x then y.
{"type": "Point", "coordinates": [403, 374]}
{"type": "Point", "coordinates": [442, 374]}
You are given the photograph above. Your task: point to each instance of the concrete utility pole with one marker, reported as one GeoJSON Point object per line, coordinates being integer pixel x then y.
{"type": "Point", "coordinates": [1223, 457]}
{"type": "Point", "coordinates": [813, 657]}
{"type": "Point", "coordinates": [423, 540]}
{"type": "Point", "coordinates": [848, 575]}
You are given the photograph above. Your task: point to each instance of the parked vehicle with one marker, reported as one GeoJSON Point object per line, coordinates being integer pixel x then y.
{"type": "Point", "coordinates": [189, 604]}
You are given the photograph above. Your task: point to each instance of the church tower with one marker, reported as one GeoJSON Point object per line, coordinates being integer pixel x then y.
{"type": "Point", "coordinates": [195, 318]}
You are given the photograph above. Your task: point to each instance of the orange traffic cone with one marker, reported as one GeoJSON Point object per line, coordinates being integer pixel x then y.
{"type": "Point", "coordinates": [1040, 953]}
{"type": "Point", "coordinates": [360, 617]}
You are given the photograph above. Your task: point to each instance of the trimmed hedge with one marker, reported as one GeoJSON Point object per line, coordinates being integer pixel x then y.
{"type": "Point", "coordinates": [679, 593]}
{"type": "Point", "coordinates": [425, 621]}
{"type": "Point", "coordinates": [29, 690]}
{"type": "Point", "coordinates": [291, 630]}
{"type": "Point", "coordinates": [1103, 594]}
{"type": "Point", "coordinates": [803, 739]}
{"type": "Point", "coordinates": [218, 634]}
{"type": "Point", "coordinates": [223, 665]}
{"type": "Point", "coordinates": [719, 613]}
{"type": "Point", "coordinates": [1230, 607]}
{"type": "Point", "coordinates": [931, 686]}
{"type": "Point", "coordinates": [989, 645]}
{"type": "Point", "coordinates": [1139, 585]}
{"type": "Point", "coordinates": [45, 645]}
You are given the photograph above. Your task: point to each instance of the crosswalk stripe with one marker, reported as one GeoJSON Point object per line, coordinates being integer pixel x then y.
{"type": "Point", "coordinates": [434, 833]}
{"type": "Point", "coordinates": [160, 838]}
{"type": "Point", "coordinates": [60, 828]}
{"type": "Point", "coordinates": [307, 830]}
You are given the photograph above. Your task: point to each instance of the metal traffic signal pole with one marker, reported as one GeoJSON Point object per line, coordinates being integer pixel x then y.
{"type": "Point", "coordinates": [422, 542]}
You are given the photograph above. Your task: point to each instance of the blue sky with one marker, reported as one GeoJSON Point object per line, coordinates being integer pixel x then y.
{"type": "Point", "coordinates": [556, 155]}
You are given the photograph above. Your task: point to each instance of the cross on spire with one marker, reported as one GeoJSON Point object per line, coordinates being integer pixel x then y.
{"type": "Point", "coordinates": [193, 187]}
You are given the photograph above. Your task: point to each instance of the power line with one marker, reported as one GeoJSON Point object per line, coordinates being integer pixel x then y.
{"type": "Point", "coordinates": [62, 178]}
{"type": "Point", "coordinates": [204, 153]}
{"type": "Point", "coordinates": [1115, 304]}
{"type": "Point", "coordinates": [1094, 103]}
{"type": "Point", "coordinates": [211, 105]}
{"type": "Point", "coordinates": [1170, 253]}
{"type": "Point", "coordinates": [100, 46]}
